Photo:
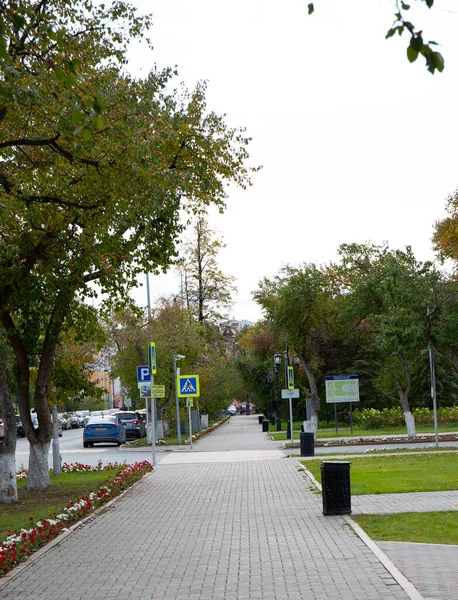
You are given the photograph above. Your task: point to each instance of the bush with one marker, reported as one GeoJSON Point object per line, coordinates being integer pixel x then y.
{"type": "Point", "coordinates": [370, 418]}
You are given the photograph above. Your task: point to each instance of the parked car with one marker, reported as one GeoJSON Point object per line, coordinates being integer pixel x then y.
{"type": "Point", "coordinates": [35, 424]}
{"type": "Point", "coordinates": [19, 428]}
{"type": "Point", "coordinates": [63, 421]}
{"type": "Point", "coordinates": [232, 410]}
{"type": "Point", "coordinates": [103, 429]}
{"type": "Point", "coordinates": [73, 420]}
{"type": "Point", "coordinates": [133, 422]}
{"type": "Point", "coordinates": [81, 419]}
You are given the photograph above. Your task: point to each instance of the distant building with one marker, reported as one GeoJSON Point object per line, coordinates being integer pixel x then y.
{"type": "Point", "coordinates": [230, 329]}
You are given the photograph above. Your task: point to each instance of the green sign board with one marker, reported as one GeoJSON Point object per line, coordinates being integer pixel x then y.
{"type": "Point", "coordinates": [342, 388]}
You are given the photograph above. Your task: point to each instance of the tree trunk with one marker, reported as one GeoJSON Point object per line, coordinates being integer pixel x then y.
{"type": "Point", "coordinates": [38, 466]}
{"type": "Point", "coordinates": [403, 393]}
{"type": "Point", "coordinates": [8, 485]}
{"type": "Point", "coordinates": [313, 390]}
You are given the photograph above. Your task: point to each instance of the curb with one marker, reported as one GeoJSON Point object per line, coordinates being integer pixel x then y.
{"type": "Point", "coordinates": [392, 569]}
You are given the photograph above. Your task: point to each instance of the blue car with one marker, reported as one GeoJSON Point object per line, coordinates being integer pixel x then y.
{"type": "Point", "coordinates": [103, 429]}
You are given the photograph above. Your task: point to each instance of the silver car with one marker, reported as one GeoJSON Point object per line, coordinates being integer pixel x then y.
{"type": "Point", "coordinates": [133, 423]}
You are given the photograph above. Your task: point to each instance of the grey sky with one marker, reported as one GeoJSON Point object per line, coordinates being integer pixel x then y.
{"type": "Point", "coordinates": [355, 143]}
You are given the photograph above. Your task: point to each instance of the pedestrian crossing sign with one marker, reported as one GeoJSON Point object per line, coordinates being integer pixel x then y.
{"type": "Point", "coordinates": [188, 386]}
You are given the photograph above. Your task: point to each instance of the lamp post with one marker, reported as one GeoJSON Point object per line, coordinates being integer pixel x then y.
{"type": "Point", "coordinates": [269, 381]}
{"type": "Point", "coordinates": [177, 404]}
{"type": "Point", "coordinates": [276, 418]}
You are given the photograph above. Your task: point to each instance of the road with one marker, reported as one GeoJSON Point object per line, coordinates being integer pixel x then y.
{"type": "Point", "coordinates": [71, 450]}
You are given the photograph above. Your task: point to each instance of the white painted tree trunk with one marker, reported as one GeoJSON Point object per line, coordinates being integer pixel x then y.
{"type": "Point", "coordinates": [410, 424]}
{"type": "Point", "coordinates": [38, 466]}
{"type": "Point", "coordinates": [314, 422]}
{"type": "Point", "coordinates": [8, 485]}
{"type": "Point", "coordinates": [160, 430]}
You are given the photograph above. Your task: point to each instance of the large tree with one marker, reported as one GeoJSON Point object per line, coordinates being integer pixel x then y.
{"type": "Point", "coordinates": [85, 201]}
{"type": "Point", "coordinates": [208, 290]}
{"type": "Point", "coordinates": [386, 296]}
{"type": "Point", "coordinates": [301, 304]}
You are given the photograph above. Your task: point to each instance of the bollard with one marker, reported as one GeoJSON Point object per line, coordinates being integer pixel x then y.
{"type": "Point", "coordinates": [260, 419]}
{"type": "Point", "coordinates": [265, 425]}
{"type": "Point", "coordinates": [307, 443]}
{"type": "Point", "coordinates": [335, 486]}
{"type": "Point", "coordinates": [278, 424]}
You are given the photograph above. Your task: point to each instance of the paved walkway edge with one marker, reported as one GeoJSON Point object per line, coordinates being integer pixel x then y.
{"type": "Point", "coordinates": [406, 585]}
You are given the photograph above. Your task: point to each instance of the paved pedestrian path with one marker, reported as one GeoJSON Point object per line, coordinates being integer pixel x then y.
{"type": "Point", "coordinates": [249, 529]}
{"type": "Point", "coordinates": [384, 504]}
{"type": "Point", "coordinates": [241, 432]}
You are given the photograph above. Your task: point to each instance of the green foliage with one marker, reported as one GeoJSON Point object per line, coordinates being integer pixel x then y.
{"type": "Point", "coordinates": [417, 46]}
{"type": "Point", "coordinates": [370, 418]}
{"type": "Point", "coordinates": [47, 37]}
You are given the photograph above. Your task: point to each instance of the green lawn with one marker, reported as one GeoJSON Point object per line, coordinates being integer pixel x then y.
{"type": "Point", "coordinates": [67, 488]}
{"type": "Point", "coordinates": [428, 528]}
{"type": "Point", "coordinates": [398, 474]}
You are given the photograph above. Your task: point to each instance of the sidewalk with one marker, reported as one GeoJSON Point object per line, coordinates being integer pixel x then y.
{"type": "Point", "coordinates": [235, 530]}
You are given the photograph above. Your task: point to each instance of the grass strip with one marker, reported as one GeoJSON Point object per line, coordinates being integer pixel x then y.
{"type": "Point", "coordinates": [399, 474]}
{"type": "Point", "coordinates": [426, 528]}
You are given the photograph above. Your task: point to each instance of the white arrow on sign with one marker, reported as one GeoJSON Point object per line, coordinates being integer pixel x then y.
{"type": "Point", "coordinates": [290, 393]}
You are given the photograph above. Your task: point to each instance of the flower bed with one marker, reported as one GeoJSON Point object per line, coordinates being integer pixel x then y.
{"type": "Point", "coordinates": [362, 441]}
{"type": "Point", "coordinates": [20, 544]}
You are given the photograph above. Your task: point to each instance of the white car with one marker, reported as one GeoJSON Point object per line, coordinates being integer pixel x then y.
{"type": "Point", "coordinates": [232, 410]}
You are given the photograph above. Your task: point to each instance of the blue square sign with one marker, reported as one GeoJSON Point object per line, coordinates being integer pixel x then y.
{"type": "Point", "coordinates": [143, 374]}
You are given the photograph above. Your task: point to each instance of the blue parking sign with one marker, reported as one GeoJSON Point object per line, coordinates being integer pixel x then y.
{"type": "Point", "coordinates": [143, 374]}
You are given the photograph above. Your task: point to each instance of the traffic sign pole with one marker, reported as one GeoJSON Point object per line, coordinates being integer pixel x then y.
{"type": "Point", "coordinates": [190, 426]}
{"type": "Point", "coordinates": [291, 417]}
{"type": "Point", "coordinates": [153, 428]}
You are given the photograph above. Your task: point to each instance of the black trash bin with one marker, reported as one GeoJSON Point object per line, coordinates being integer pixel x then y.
{"type": "Point", "coordinates": [260, 419]}
{"type": "Point", "coordinates": [307, 443]}
{"type": "Point", "coordinates": [335, 482]}
{"type": "Point", "coordinates": [265, 425]}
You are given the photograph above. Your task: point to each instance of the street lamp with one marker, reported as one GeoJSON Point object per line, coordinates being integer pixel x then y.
{"type": "Point", "coordinates": [276, 416]}
{"type": "Point", "coordinates": [175, 359]}
{"type": "Point", "coordinates": [269, 381]}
